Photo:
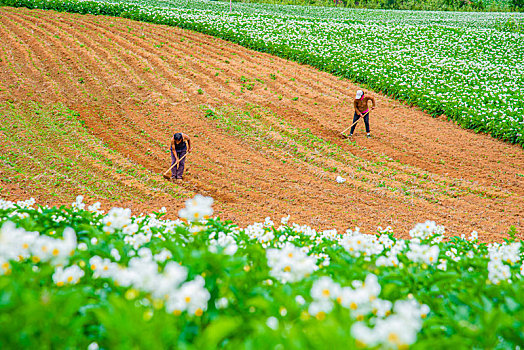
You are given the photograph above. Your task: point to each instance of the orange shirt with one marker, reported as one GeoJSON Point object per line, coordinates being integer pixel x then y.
{"type": "Point", "coordinates": [362, 104]}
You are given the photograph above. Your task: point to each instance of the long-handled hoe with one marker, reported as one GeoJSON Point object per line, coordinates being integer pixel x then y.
{"type": "Point", "coordinates": [167, 177]}
{"type": "Point", "coordinates": [349, 127]}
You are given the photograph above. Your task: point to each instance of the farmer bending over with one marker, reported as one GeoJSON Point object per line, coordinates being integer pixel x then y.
{"type": "Point", "coordinates": [362, 109]}
{"type": "Point", "coordinates": [178, 144]}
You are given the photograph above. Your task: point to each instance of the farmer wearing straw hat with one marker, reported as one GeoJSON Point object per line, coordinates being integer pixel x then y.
{"type": "Point", "coordinates": [362, 110]}
{"type": "Point", "coordinates": [179, 148]}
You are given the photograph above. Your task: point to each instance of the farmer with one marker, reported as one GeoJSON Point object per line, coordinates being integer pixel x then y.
{"type": "Point", "coordinates": [179, 148]}
{"type": "Point", "coordinates": [362, 110]}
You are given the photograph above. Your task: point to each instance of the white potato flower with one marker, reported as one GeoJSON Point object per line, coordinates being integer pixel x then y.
{"type": "Point", "coordinates": [116, 219]}
{"type": "Point", "coordinates": [224, 241]}
{"type": "Point", "coordinates": [198, 208]}
{"type": "Point", "coordinates": [325, 289]}
{"type": "Point", "coordinates": [290, 264]}
{"type": "Point", "coordinates": [69, 275]}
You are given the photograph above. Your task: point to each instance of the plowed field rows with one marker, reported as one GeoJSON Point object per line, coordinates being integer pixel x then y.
{"type": "Point", "coordinates": [265, 132]}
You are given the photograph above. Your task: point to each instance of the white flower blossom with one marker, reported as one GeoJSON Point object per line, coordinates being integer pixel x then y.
{"type": "Point", "coordinates": [198, 208]}
{"type": "Point", "coordinates": [290, 264]}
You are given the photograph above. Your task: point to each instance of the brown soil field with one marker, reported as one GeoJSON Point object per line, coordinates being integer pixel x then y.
{"type": "Point", "coordinates": [265, 131]}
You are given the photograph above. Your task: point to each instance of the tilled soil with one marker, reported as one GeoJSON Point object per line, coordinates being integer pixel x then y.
{"type": "Point", "coordinates": [135, 84]}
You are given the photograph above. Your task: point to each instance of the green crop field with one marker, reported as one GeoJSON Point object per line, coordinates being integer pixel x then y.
{"type": "Point", "coordinates": [467, 66]}
{"type": "Point", "coordinates": [75, 277]}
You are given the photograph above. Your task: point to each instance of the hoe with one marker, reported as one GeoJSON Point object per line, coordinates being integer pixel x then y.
{"type": "Point", "coordinates": [168, 170]}
{"type": "Point", "coordinates": [349, 127]}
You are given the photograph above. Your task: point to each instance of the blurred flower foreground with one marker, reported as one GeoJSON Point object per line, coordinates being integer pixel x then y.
{"type": "Point", "coordinates": [77, 277]}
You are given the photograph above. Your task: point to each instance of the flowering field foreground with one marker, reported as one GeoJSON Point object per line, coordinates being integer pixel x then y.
{"type": "Point", "coordinates": [467, 66]}
{"type": "Point", "coordinates": [75, 277]}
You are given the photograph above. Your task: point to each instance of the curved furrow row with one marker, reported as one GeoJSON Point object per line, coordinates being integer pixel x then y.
{"type": "Point", "coordinates": [304, 79]}
{"type": "Point", "coordinates": [97, 172]}
{"type": "Point", "coordinates": [373, 176]}
{"type": "Point", "coordinates": [417, 193]}
{"type": "Point", "coordinates": [15, 50]}
{"type": "Point", "coordinates": [101, 173]}
{"type": "Point", "coordinates": [54, 52]}
{"type": "Point", "coordinates": [417, 145]}
{"type": "Point", "coordinates": [141, 83]}
{"type": "Point", "coordinates": [349, 163]}
{"type": "Point", "coordinates": [322, 131]}
{"type": "Point", "coordinates": [143, 61]}
{"type": "Point", "coordinates": [20, 52]}
{"type": "Point", "coordinates": [127, 129]}
{"type": "Point", "coordinates": [393, 164]}
{"type": "Point", "coordinates": [60, 49]}
{"type": "Point", "coordinates": [245, 65]}
{"type": "Point", "coordinates": [100, 60]}
{"type": "Point", "coordinates": [198, 54]}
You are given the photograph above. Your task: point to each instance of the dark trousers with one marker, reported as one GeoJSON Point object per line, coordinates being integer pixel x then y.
{"type": "Point", "coordinates": [366, 121]}
{"type": "Point", "coordinates": [178, 172]}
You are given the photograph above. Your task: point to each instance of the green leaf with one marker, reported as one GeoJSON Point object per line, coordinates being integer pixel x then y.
{"type": "Point", "coordinates": [218, 330]}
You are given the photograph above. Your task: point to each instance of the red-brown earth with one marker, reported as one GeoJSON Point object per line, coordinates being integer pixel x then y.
{"type": "Point", "coordinates": [271, 146]}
